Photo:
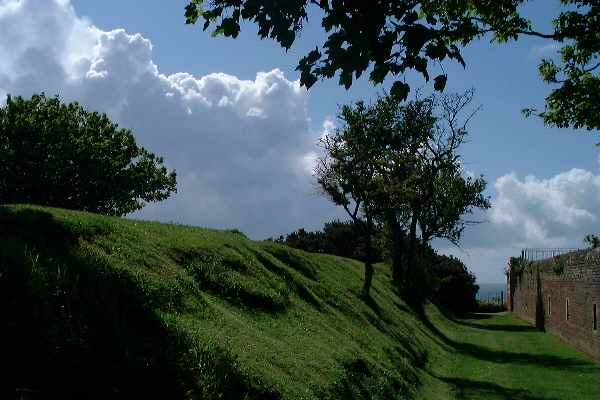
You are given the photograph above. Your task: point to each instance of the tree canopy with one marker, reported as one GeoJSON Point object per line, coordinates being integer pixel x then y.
{"type": "Point", "coordinates": [342, 238]}
{"type": "Point", "coordinates": [391, 37]}
{"type": "Point", "coordinates": [61, 155]}
{"type": "Point", "coordinates": [445, 193]}
{"type": "Point", "coordinates": [398, 164]}
{"type": "Point", "coordinates": [347, 175]}
{"type": "Point", "coordinates": [575, 97]}
{"type": "Point", "coordinates": [450, 283]}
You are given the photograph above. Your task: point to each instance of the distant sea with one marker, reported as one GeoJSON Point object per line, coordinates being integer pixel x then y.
{"type": "Point", "coordinates": [490, 290]}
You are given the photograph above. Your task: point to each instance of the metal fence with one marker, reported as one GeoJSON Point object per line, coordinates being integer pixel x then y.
{"type": "Point", "coordinates": [491, 297]}
{"type": "Point", "coordinates": [541, 254]}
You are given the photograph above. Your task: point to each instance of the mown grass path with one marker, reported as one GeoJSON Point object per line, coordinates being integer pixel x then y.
{"type": "Point", "coordinates": [501, 357]}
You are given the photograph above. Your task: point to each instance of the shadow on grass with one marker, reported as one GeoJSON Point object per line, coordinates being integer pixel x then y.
{"type": "Point", "coordinates": [75, 327]}
{"type": "Point", "coordinates": [362, 380]}
{"type": "Point", "coordinates": [496, 327]}
{"type": "Point", "coordinates": [469, 389]}
{"type": "Point", "coordinates": [473, 315]}
{"type": "Point", "coordinates": [372, 304]}
{"type": "Point", "coordinates": [471, 320]}
{"type": "Point", "coordinates": [501, 356]}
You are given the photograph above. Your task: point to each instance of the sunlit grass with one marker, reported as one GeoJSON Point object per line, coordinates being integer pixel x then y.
{"type": "Point", "coordinates": [501, 357]}
{"type": "Point", "coordinates": [231, 316]}
{"type": "Point", "coordinates": [98, 307]}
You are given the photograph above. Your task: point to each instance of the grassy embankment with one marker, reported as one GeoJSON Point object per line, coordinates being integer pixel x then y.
{"type": "Point", "coordinates": [101, 307]}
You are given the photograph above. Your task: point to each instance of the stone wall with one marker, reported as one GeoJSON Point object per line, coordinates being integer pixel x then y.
{"type": "Point", "coordinates": [539, 294]}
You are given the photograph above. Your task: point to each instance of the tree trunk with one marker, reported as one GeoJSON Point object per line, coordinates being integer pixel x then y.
{"type": "Point", "coordinates": [369, 258]}
{"type": "Point", "coordinates": [396, 247]}
{"type": "Point", "coordinates": [412, 247]}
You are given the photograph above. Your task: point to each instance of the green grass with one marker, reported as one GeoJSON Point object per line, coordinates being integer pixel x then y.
{"type": "Point", "coordinates": [501, 357]}
{"type": "Point", "coordinates": [169, 309]}
{"type": "Point", "coordinates": [98, 307]}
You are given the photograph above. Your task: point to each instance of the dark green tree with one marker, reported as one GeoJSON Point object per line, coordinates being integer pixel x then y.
{"type": "Point", "coordinates": [431, 193]}
{"type": "Point", "coordinates": [398, 164]}
{"type": "Point", "coordinates": [575, 97]}
{"type": "Point", "coordinates": [341, 238]}
{"type": "Point", "coordinates": [453, 285]}
{"type": "Point", "coordinates": [304, 240]}
{"type": "Point", "coordinates": [61, 155]}
{"type": "Point", "coordinates": [347, 174]}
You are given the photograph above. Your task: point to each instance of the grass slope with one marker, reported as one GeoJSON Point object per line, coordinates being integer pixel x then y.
{"type": "Point", "coordinates": [97, 307]}
{"type": "Point", "coordinates": [111, 307]}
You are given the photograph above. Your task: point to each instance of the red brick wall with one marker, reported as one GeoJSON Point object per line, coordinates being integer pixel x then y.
{"type": "Point", "coordinates": [540, 293]}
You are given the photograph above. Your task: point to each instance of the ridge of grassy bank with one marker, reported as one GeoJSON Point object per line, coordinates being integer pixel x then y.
{"type": "Point", "coordinates": [113, 307]}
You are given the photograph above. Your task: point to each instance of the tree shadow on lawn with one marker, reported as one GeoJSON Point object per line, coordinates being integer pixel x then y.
{"type": "Point", "coordinates": [469, 389]}
{"type": "Point", "coordinates": [496, 327]}
{"type": "Point", "coordinates": [470, 320]}
{"type": "Point", "coordinates": [467, 315]}
{"type": "Point", "coordinates": [508, 357]}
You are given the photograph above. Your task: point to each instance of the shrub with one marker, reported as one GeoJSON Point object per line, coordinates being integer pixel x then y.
{"type": "Point", "coordinates": [558, 265]}
{"type": "Point", "coordinates": [453, 284]}
{"type": "Point", "coordinates": [518, 264]}
{"type": "Point", "coordinates": [340, 238]}
{"type": "Point", "coordinates": [490, 307]}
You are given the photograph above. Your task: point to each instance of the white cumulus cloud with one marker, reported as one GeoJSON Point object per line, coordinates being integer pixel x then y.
{"type": "Point", "coordinates": [240, 147]}
{"type": "Point", "coordinates": [557, 211]}
{"type": "Point", "coordinates": [243, 149]}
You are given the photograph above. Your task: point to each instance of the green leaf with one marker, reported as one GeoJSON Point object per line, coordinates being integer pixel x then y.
{"type": "Point", "coordinates": [528, 112]}
{"type": "Point", "coordinates": [400, 90]}
{"type": "Point", "coordinates": [439, 83]}
{"type": "Point", "coordinates": [217, 32]}
{"type": "Point", "coordinates": [191, 14]}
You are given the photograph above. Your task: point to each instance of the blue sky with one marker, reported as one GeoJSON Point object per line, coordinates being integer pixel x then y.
{"type": "Point", "coordinates": [543, 181]}
{"type": "Point", "coordinates": [504, 75]}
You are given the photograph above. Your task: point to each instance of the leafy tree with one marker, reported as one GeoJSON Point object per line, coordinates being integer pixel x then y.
{"type": "Point", "coordinates": [402, 136]}
{"type": "Point", "coordinates": [575, 97]}
{"type": "Point", "coordinates": [398, 164]}
{"type": "Point", "coordinates": [347, 174]}
{"type": "Point", "coordinates": [453, 284]}
{"type": "Point", "coordinates": [61, 155]}
{"type": "Point", "coordinates": [304, 240]}
{"type": "Point", "coordinates": [435, 193]}
{"type": "Point", "coordinates": [517, 264]}
{"type": "Point", "coordinates": [341, 238]}
{"type": "Point", "coordinates": [391, 36]}
{"type": "Point", "coordinates": [446, 194]}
